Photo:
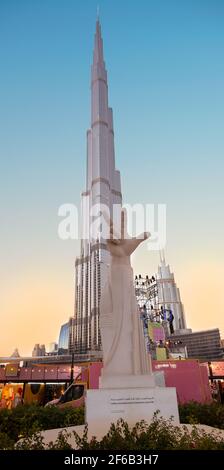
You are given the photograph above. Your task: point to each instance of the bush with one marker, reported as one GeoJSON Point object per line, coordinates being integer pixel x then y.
{"type": "Point", "coordinates": [211, 414]}
{"type": "Point", "coordinates": [24, 420]}
{"type": "Point", "coordinates": [158, 435]}
{"type": "Point", "coordinates": [5, 441]}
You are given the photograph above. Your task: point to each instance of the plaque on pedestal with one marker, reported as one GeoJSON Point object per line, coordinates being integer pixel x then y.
{"type": "Point", "coordinates": [106, 406]}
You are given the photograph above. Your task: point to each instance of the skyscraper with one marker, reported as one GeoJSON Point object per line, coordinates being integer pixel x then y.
{"type": "Point", "coordinates": [103, 187]}
{"type": "Point", "coordinates": [159, 299]}
{"type": "Point", "coordinates": [169, 295]}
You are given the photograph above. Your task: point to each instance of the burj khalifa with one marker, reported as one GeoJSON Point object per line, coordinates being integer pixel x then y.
{"type": "Point", "coordinates": [103, 187]}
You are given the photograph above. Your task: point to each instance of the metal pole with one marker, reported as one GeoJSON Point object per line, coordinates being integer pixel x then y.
{"type": "Point", "coordinates": [72, 369]}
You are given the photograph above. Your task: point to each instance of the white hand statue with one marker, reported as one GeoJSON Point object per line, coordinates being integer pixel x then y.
{"type": "Point", "coordinates": [123, 246]}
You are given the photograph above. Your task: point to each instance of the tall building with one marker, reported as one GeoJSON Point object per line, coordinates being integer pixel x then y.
{"type": "Point", "coordinates": [169, 295]}
{"type": "Point", "coordinates": [38, 350]}
{"type": "Point", "coordinates": [102, 187]}
{"type": "Point", "coordinates": [52, 348]}
{"type": "Point", "coordinates": [222, 345]}
{"type": "Point", "coordinates": [63, 341]}
{"type": "Point", "coordinates": [160, 297]}
{"type": "Point", "coordinates": [15, 353]}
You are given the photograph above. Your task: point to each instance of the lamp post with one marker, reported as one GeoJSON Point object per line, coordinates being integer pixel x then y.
{"type": "Point", "coordinates": [72, 369]}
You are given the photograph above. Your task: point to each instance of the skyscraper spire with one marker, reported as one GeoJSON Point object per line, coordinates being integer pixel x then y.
{"type": "Point", "coordinates": [98, 12]}
{"type": "Point", "coordinates": [98, 48]}
{"type": "Point", "coordinates": [99, 89]}
{"type": "Point", "coordinates": [162, 257]}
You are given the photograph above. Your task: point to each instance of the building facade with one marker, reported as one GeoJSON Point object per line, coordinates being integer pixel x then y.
{"type": "Point", "coordinates": [103, 190]}
{"type": "Point", "coordinates": [52, 348]}
{"type": "Point", "coordinates": [63, 341]}
{"type": "Point", "coordinates": [38, 350]}
{"type": "Point", "coordinates": [169, 296]}
{"type": "Point", "coordinates": [160, 297]}
{"type": "Point", "coordinates": [204, 345]}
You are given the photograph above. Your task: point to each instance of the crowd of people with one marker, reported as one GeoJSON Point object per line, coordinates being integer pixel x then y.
{"type": "Point", "coordinates": [10, 397]}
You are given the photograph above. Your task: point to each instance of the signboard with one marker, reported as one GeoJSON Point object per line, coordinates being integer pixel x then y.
{"type": "Point", "coordinates": [161, 354]}
{"type": "Point", "coordinates": [217, 368]}
{"type": "Point", "coordinates": [156, 332]}
{"type": "Point", "coordinates": [11, 370]}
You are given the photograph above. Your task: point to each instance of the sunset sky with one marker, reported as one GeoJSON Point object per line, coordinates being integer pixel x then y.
{"type": "Point", "coordinates": [166, 85]}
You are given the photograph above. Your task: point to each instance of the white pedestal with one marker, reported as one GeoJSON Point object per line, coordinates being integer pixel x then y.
{"type": "Point", "coordinates": [126, 381]}
{"type": "Point", "coordinates": [106, 406]}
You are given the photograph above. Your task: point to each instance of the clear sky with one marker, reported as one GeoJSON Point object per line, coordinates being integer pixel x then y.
{"type": "Point", "coordinates": [166, 86]}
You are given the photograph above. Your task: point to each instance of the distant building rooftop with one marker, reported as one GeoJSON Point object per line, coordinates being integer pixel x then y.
{"type": "Point", "coordinates": [205, 344]}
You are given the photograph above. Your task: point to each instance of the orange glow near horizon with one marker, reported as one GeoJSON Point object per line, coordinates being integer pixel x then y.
{"type": "Point", "coordinates": [34, 310]}
{"type": "Point", "coordinates": [34, 307]}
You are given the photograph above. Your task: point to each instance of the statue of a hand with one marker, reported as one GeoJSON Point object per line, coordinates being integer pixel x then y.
{"type": "Point", "coordinates": [123, 246]}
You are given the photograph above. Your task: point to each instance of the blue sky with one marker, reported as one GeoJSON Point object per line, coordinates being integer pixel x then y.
{"type": "Point", "coordinates": [166, 86]}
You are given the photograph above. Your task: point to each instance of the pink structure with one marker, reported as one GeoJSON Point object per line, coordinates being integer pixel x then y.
{"type": "Point", "coordinates": [37, 373]}
{"type": "Point", "coordinates": [94, 374]}
{"type": "Point", "coordinates": [188, 376]}
{"type": "Point", "coordinates": [204, 376]}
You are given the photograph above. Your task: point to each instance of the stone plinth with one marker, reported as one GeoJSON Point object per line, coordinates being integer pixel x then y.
{"type": "Point", "coordinates": [106, 406]}
{"type": "Point", "coordinates": [126, 381]}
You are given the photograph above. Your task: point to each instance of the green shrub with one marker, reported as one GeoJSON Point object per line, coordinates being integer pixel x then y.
{"type": "Point", "coordinates": [24, 420]}
{"type": "Point", "coordinates": [158, 435]}
{"type": "Point", "coordinates": [6, 442]}
{"type": "Point", "coordinates": [211, 414]}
